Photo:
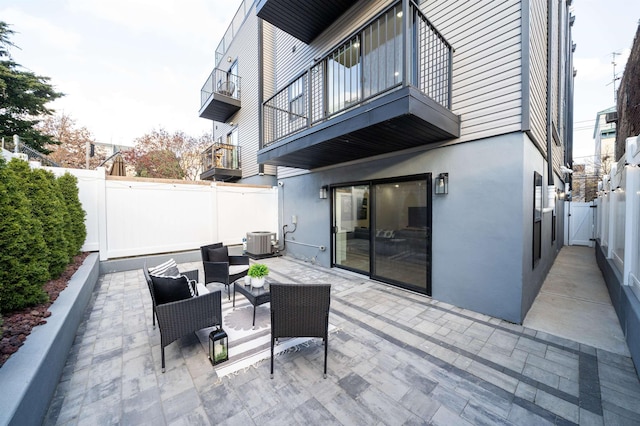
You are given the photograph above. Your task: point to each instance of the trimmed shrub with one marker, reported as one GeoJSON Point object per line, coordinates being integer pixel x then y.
{"type": "Point", "coordinates": [75, 229]}
{"type": "Point", "coordinates": [47, 207]}
{"type": "Point", "coordinates": [23, 268]}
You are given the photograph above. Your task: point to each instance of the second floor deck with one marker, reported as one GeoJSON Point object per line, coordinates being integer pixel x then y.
{"type": "Point", "coordinates": [385, 89]}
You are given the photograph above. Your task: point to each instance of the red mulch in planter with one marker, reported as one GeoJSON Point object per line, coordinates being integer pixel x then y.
{"type": "Point", "coordinates": [17, 325]}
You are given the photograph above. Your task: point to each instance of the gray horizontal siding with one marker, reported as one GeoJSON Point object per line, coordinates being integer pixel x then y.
{"type": "Point", "coordinates": [487, 63]}
{"type": "Point", "coordinates": [285, 172]}
{"type": "Point", "coordinates": [538, 72]}
{"type": "Point", "coordinates": [244, 48]}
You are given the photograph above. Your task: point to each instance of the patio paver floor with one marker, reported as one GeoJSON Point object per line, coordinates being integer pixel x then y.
{"type": "Point", "coordinates": [396, 358]}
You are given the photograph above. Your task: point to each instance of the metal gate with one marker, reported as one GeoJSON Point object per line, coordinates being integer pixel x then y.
{"type": "Point", "coordinates": [580, 224]}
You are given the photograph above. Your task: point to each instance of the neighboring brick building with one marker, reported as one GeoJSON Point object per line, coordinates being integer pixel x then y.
{"type": "Point", "coordinates": [628, 124]}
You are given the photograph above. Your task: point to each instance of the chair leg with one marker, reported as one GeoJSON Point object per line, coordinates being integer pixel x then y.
{"type": "Point", "coordinates": [153, 316]}
{"type": "Point", "coordinates": [326, 347]}
{"type": "Point", "coordinates": [272, 342]}
{"type": "Point", "coordinates": [228, 292]}
{"type": "Point", "coordinates": [162, 349]}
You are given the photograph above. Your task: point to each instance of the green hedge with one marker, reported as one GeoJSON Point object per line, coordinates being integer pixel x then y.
{"type": "Point", "coordinates": [38, 235]}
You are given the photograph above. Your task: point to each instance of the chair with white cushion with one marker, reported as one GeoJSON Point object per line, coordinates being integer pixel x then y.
{"type": "Point", "coordinates": [181, 305]}
{"type": "Point", "coordinates": [220, 267]}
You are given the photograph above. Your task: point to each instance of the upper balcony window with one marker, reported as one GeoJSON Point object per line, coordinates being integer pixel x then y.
{"type": "Point", "coordinates": [382, 53]}
{"type": "Point", "coordinates": [344, 76]}
{"type": "Point", "coordinates": [296, 99]}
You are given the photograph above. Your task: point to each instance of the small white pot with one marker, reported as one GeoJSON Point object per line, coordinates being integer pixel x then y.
{"type": "Point", "coordinates": [257, 282]}
{"type": "Point", "coordinates": [247, 280]}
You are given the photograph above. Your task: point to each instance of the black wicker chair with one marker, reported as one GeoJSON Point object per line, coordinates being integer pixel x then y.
{"type": "Point", "coordinates": [177, 319]}
{"type": "Point", "coordinates": [192, 275]}
{"type": "Point", "coordinates": [300, 310]}
{"type": "Point", "coordinates": [228, 272]}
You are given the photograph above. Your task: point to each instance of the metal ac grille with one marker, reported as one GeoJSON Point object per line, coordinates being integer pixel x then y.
{"type": "Point", "coordinates": [259, 243]}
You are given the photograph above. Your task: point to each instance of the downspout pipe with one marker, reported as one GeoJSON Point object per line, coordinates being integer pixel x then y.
{"type": "Point", "coordinates": [260, 90]}
{"type": "Point", "coordinates": [551, 189]}
{"type": "Point", "coordinates": [550, 180]}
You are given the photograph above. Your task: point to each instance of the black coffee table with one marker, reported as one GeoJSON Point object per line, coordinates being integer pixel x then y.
{"type": "Point", "coordinates": [256, 295]}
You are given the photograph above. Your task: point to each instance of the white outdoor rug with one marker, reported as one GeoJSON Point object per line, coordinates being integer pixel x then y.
{"type": "Point", "coordinates": [248, 345]}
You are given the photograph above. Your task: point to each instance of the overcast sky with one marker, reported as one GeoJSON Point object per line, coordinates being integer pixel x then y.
{"type": "Point", "coordinates": [601, 28]}
{"type": "Point", "coordinates": [126, 66]}
{"type": "Point", "coordinates": [129, 66]}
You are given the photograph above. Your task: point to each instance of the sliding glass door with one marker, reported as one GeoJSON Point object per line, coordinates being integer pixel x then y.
{"type": "Point", "coordinates": [351, 227]}
{"type": "Point", "coordinates": [383, 229]}
{"type": "Point", "coordinates": [402, 229]}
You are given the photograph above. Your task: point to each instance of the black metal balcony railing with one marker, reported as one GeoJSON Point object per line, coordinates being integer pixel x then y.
{"type": "Point", "coordinates": [221, 82]}
{"type": "Point", "coordinates": [32, 154]}
{"type": "Point", "coordinates": [221, 156]}
{"type": "Point", "coordinates": [232, 29]}
{"type": "Point", "coordinates": [370, 63]}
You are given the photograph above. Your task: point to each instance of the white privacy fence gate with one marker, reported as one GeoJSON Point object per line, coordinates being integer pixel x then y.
{"type": "Point", "coordinates": [134, 216]}
{"type": "Point", "coordinates": [579, 224]}
{"type": "Point", "coordinates": [618, 215]}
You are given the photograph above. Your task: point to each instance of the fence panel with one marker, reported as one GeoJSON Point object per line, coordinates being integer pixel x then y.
{"type": "Point", "coordinates": [90, 183]}
{"type": "Point", "coordinates": [619, 215]}
{"type": "Point", "coordinates": [245, 209]}
{"type": "Point", "coordinates": [156, 217]}
{"type": "Point", "coordinates": [133, 217]}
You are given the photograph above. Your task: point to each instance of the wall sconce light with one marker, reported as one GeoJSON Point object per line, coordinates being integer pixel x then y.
{"type": "Point", "coordinates": [442, 184]}
{"type": "Point", "coordinates": [323, 191]}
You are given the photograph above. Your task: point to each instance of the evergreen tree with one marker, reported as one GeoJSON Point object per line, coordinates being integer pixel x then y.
{"type": "Point", "coordinates": [47, 207]}
{"type": "Point", "coordinates": [75, 229]}
{"type": "Point", "coordinates": [23, 268]}
{"type": "Point", "coordinates": [23, 98]}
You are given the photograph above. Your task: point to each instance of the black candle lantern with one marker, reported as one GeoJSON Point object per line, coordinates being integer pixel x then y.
{"type": "Point", "coordinates": [218, 346]}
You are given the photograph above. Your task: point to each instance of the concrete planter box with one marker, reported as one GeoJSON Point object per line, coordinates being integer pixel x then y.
{"type": "Point", "coordinates": [29, 378]}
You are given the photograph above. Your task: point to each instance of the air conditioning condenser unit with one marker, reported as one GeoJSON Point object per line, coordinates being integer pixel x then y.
{"type": "Point", "coordinates": [259, 243]}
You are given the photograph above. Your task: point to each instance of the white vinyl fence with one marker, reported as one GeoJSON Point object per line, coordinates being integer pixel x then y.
{"type": "Point", "coordinates": [618, 215]}
{"type": "Point", "coordinates": [133, 216]}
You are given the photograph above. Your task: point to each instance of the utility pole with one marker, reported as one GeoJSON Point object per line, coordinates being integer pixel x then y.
{"type": "Point", "coordinates": [613, 62]}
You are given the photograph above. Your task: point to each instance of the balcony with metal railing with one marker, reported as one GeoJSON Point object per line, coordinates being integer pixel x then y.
{"type": "Point", "coordinates": [221, 162]}
{"type": "Point", "coordinates": [384, 89]}
{"type": "Point", "coordinates": [220, 95]}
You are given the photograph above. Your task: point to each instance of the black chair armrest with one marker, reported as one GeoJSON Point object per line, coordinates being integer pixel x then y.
{"type": "Point", "coordinates": [177, 319]}
{"type": "Point", "coordinates": [238, 260]}
{"type": "Point", "coordinates": [191, 275]}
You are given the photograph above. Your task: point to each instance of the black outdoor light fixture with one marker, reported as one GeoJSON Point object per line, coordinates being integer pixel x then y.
{"type": "Point", "coordinates": [323, 191]}
{"type": "Point", "coordinates": [442, 184]}
{"type": "Point", "coordinates": [218, 346]}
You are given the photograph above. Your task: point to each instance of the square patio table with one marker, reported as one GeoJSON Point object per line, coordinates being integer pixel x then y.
{"type": "Point", "coordinates": [256, 295]}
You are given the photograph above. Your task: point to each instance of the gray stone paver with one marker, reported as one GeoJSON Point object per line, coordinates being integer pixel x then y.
{"type": "Point", "coordinates": [396, 358]}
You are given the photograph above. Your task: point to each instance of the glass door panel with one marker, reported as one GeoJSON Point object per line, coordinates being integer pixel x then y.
{"type": "Point", "coordinates": [402, 231]}
{"type": "Point", "coordinates": [351, 230]}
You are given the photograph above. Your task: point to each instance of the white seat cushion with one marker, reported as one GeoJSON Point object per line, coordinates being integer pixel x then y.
{"type": "Point", "coordinates": [236, 269]}
{"type": "Point", "coordinates": [202, 289]}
